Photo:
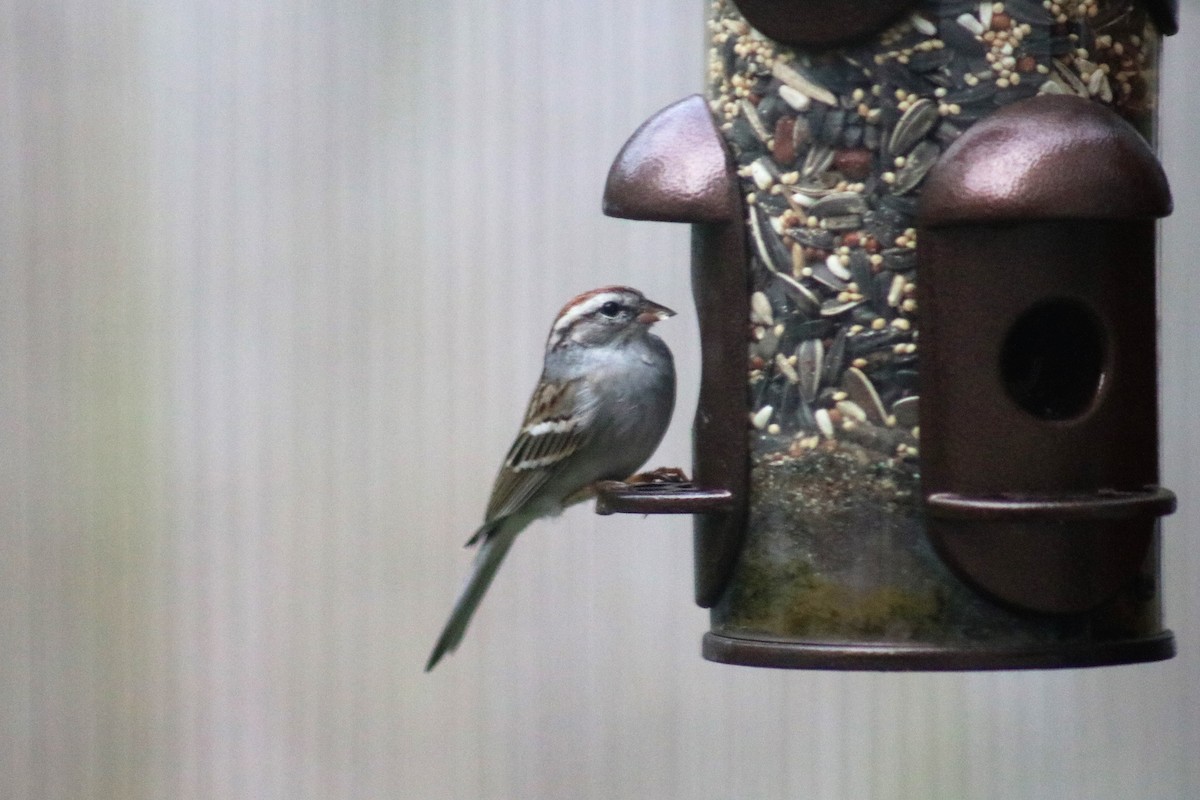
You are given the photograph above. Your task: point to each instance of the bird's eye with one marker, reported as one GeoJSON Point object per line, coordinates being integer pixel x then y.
{"type": "Point", "coordinates": [611, 308]}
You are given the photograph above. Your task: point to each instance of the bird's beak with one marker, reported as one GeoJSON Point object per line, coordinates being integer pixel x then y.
{"type": "Point", "coordinates": [652, 312]}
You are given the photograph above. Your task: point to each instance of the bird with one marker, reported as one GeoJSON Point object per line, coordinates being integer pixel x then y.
{"type": "Point", "coordinates": [600, 409]}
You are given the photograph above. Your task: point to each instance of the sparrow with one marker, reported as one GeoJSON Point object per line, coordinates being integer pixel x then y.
{"type": "Point", "coordinates": [600, 409]}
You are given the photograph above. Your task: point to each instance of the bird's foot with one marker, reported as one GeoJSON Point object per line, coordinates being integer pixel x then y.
{"type": "Point", "coordinates": [658, 476]}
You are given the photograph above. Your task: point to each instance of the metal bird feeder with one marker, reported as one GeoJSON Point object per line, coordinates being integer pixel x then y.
{"type": "Point", "coordinates": [924, 253]}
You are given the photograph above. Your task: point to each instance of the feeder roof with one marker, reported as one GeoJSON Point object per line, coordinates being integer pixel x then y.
{"type": "Point", "coordinates": [1048, 157]}
{"type": "Point", "coordinates": [674, 168]}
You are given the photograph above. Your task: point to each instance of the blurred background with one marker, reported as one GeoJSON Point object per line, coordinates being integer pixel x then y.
{"type": "Point", "coordinates": [274, 282]}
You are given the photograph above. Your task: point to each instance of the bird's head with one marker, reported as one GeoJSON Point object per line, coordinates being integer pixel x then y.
{"type": "Point", "coordinates": [604, 316]}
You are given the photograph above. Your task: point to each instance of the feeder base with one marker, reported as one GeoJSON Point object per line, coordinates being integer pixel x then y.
{"type": "Point", "coordinates": [930, 658]}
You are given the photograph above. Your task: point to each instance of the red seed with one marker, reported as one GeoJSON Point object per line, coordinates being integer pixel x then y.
{"type": "Point", "coordinates": [783, 149]}
{"type": "Point", "coordinates": [853, 164]}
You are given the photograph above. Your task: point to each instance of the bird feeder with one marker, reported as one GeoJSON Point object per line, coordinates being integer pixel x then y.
{"type": "Point", "coordinates": [924, 254]}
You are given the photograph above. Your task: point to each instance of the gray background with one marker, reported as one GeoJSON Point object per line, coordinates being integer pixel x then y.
{"type": "Point", "coordinates": [274, 278]}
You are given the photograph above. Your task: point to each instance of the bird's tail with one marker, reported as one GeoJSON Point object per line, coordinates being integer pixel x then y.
{"type": "Point", "coordinates": [494, 540]}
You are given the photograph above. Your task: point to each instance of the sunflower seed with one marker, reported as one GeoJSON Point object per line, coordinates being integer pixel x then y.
{"type": "Point", "coordinates": [766, 346]}
{"type": "Point", "coordinates": [760, 308]}
{"type": "Point", "coordinates": [807, 192]}
{"type": "Point", "coordinates": [745, 143]}
{"type": "Point", "coordinates": [845, 222]}
{"type": "Point", "coordinates": [810, 359]}
{"type": "Point", "coordinates": [762, 417]}
{"type": "Point", "coordinates": [972, 95]}
{"type": "Point", "coordinates": [1071, 79]}
{"type": "Point", "coordinates": [971, 23]}
{"type": "Point", "coordinates": [905, 410]}
{"type": "Point", "coordinates": [1005, 96]}
{"type": "Point", "coordinates": [832, 127]}
{"type": "Point", "coordinates": [835, 358]}
{"type": "Point", "coordinates": [872, 137]}
{"type": "Point", "coordinates": [903, 209]}
{"type": "Point", "coordinates": [799, 262]}
{"type": "Point", "coordinates": [762, 174]}
{"type": "Point", "coordinates": [899, 259]}
{"type": "Point", "coordinates": [824, 423]}
{"type": "Point", "coordinates": [822, 274]}
{"type": "Point", "coordinates": [795, 99]}
{"type": "Point", "coordinates": [870, 341]}
{"type": "Point", "coordinates": [785, 368]}
{"type": "Point", "coordinates": [806, 302]}
{"type": "Point", "coordinates": [960, 40]}
{"type": "Point", "coordinates": [810, 329]}
{"type": "Point", "coordinates": [792, 78]}
{"type": "Point", "coordinates": [920, 161]}
{"type": "Point", "coordinates": [922, 25]}
{"type": "Point", "coordinates": [852, 410]}
{"type": "Point", "coordinates": [985, 14]}
{"type": "Point", "coordinates": [1031, 11]}
{"type": "Point", "coordinates": [861, 390]}
{"type": "Point", "coordinates": [801, 133]}
{"type": "Point", "coordinates": [756, 124]}
{"type": "Point", "coordinates": [913, 126]}
{"type": "Point", "coordinates": [931, 62]}
{"type": "Point", "coordinates": [1098, 86]}
{"type": "Point", "coordinates": [818, 160]}
{"type": "Point", "coordinates": [838, 204]}
{"type": "Point", "coordinates": [770, 110]}
{"type": "Point", "coordinates": [813, 237]}
{"type": "Point", "coordinates": [1054, 86]}
{"type": "Point", "coordinates": [834, 307]}
{"type": "Point", "coordinates": [860, 272]}
{"type": "Point", "coordinates": [835, 265]}
{"type": "Point", "coordinates": [802, 200]}
{"type": "Point", "coordinates": [768, 247]}
{"type": "Point", "coordinates": [946, 134]}
{"type": "Point", "coordinates": [896, 290]}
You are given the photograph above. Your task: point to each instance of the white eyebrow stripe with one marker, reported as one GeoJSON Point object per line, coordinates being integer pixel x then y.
{"type": "Point", "coordinates": [583, 309]}
{"type": "Point", "coordinates": [577, 312]}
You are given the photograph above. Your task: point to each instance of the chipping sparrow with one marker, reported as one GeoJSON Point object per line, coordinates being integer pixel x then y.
{"type": "Point", "coordinates": [599, 410]}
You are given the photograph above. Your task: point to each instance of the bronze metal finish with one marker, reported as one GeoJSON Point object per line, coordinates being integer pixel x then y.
{"type": "Point", "coordinates": [1165, 14]}
{"type": "Point", "coordinates": [826, 23]}
{"type": "Point", "coordinates": [1047, 157]}
{"type": "Point", "coordinates": [614, 497]}
{"type": "Point", "coordinates": [952, 657]}
{"type": "Point", "coordinates": [821, 23]}
{"type": "Point", "coordinates": [1038, 407]}
{"type": "Point", "coordinates": [677, 168]}
{"type": "Point", "coordinates": [1045, 504]}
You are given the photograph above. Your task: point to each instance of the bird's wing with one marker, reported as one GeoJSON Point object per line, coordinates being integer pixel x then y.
{"type": "Point", "coordinates": [556, 425]}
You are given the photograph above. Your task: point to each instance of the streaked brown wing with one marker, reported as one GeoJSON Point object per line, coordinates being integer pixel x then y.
{"type": "Point", "coordinates": [555, 428]}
